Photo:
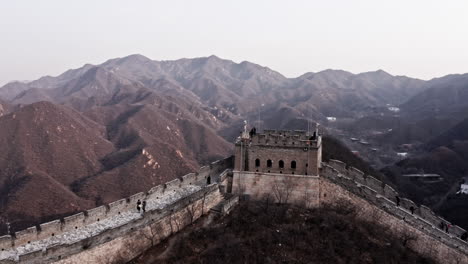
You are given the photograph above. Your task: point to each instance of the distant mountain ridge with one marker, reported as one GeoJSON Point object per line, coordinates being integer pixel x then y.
{"type": "Point", "coordinates": [238, 87]}
{"type": "Point", "coordinates": [156, 120]}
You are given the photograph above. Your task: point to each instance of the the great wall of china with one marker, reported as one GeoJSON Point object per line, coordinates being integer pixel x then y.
{"type": "Point", "coordinates": [102, 234]}
{"type": "Point", "coordinates": [113, 232]}
{"type": "Point", "coordinates": [423, 224]}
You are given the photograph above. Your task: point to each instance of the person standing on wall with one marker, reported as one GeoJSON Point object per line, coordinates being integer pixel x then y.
{"type": "Point", "coordinates": [144, 206]}
{"type": "Point", "coordinates": [138, 205]}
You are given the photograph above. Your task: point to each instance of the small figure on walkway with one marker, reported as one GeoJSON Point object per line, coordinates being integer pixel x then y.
{"type": "Point", "coordinates": [447, 227]}
{"type": "Point", "coordinates": [138, 205]}
{"type": "Point", "coordinates": [412, 209]}
{"type": "Point", "coordinates": [144, 206]}
{"type": "Point", "coordinates": [464, 236]}
{"type": "Point", "coordinates": [397, 200]}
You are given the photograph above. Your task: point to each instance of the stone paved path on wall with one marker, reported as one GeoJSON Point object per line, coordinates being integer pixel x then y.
{"type": "Point", "coordinates": [98, 227]}
{"type": "Point", "coordinates": [354, 181]}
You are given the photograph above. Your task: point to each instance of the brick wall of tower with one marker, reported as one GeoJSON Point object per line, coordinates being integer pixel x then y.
{"type": "Point", "coordinates": [282, 148]}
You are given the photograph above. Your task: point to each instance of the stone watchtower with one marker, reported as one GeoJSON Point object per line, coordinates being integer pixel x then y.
{"type": "Point", "coordinates": [279, 151]}
{"type": "Point", "coordinates": [281, 166]}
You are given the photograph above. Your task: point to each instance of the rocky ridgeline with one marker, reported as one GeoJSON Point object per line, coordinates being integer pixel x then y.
{"type": "Point", "coordinates": [383, 196]}
{"type": "Point", "coordinates": [63, 237]}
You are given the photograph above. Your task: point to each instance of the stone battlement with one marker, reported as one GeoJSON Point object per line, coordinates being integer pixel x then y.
{"type": "Point", "coordinates": [284, 138]}
{"type": "Point", "coordinates": [383, 196]}
{"type": "Point", "coordinates": [28, 243]}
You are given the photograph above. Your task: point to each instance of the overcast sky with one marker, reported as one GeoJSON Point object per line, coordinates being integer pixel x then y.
{"type": "Point", "coordinates": [422, 39]}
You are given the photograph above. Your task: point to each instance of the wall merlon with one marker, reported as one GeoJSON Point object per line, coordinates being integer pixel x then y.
{"type": "Point", "coordinates": [390, 193]}
{"type": "Point", "coordinates": [356, 174]}
{"type": "Point", "coordinates": [189, 179]}
{"type": "Point", "coordinates": [368, 193]}
{"type": "Point", "coordinates": [338, 165]}
{"type": "Point", "coordinates": [172, 185]}
{"type": "Point", "coordinates": [375, 184]}
{"type": "Point", "coordinates": [73, 222]}
{"type": "Point", "coordinates": [407, 204]}
{"type": "Point", "coordinates": [457, 230]}
{"type": "Point", "coordinates": [203, 173]}
{"type": "Point", "coordinates": [132, 200]}
{"type": "Point", "coordinates": [6, 242]}
{"type": "Point", "coordinates": [95, 214]}
{"type": "Point", "coordinates": [25, 236]}
{"type": "Point", "coordinates": [50, 229]}
{"type": "Point", "coordinates": [428, 215]}
{"type": "Point", "coordinates": [117, 207]}
{"type": "Point", "coordinates": [156, 191]}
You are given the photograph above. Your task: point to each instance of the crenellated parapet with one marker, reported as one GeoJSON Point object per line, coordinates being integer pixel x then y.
{"type": "Point", "coordinates": [384, 196]}
{"type": "Point", "coordinates": [116, 210]}
{"type": "Point", "coordinates": [285, 138]}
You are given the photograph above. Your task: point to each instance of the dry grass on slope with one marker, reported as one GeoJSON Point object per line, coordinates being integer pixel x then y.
{"type": "Point", "coordinates": [257, 233]}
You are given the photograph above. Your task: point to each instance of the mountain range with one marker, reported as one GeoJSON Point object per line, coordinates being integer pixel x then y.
{"type": "Point", "coordinates": [101, 132]}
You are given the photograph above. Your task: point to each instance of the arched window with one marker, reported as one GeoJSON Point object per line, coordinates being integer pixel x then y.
{"type": "Point", "coordinates": [257, 163]}
{"type": "Point", "coordinates": [281, 164]}
{"type": "Point", "coordinates": [269, 163]}
{"type": "Point", "coordinates": [293, 164]}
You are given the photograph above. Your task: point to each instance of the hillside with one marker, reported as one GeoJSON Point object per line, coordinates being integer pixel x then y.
{"type": "Point", "coordinates": [45, 148]}
{"type": "Point", "coordinates": [445, 155]}
{"type": "Point", "coordinates": [444, 97]}
{"type": "Point", "coordinates": [255, 233]}
{"type": "Point", "coordinates": [54, 154]}
{"type": "Point", "coordinates": [161, 119]}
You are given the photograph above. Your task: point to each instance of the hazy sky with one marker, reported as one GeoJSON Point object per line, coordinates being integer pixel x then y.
{"type": "Point", "coordinates": [422, 39]}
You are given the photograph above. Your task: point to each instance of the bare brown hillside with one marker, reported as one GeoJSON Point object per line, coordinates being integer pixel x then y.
{"type": "Point", "coordinates": [55, 161]}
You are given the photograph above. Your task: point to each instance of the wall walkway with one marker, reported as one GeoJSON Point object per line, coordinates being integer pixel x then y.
{"type": "Point", "coordinates": [60, 238]}
{"type": "Point", "coordinates": [383, 196]}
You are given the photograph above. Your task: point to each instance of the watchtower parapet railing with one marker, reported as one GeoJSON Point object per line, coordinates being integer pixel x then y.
{"type": "Point", "coordinates": [383, 195]}
{"type": "Point", "coordinates": [284, 138]}
{"type": "Point", "coordinates": [205, 176]}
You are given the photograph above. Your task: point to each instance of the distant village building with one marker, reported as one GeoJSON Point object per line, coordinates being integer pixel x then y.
{"type": "Point", "coordinates": [402, 154]}
{"type": "Point", "coordinates": [331, 118]}
{"type": "Point", "coordinates": [394, 109]}
{"type": "Point", "coordinates": [463, 189]}
{"type": "Point", "coordinates": [425, 177]}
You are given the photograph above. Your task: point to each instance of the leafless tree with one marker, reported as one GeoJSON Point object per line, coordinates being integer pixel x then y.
{"type": "Point", "coordinates": [307, 198]}
{"type": "Point", "coordinates": [176, 220]}
{"type": "Point", "coordinates": [266, 201]}
{"type": "Point", "coordinates": [282, 189]}
{"type": "Point", "coordinates": [170, 224]}
{"type": "Point", "coordinates": [191, 212]}
{"type": "Point", "coordinates": [407, 237]}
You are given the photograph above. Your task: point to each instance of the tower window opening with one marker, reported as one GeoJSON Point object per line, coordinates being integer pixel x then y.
{"type": "Point", "coordinates": [257, 163]}
{"type": "Point", "coordinates": [293, 164]}
{"type": "Point", "coordinates": [269, 163]}
{"type": "Point", "coordinates": [281, 164]}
